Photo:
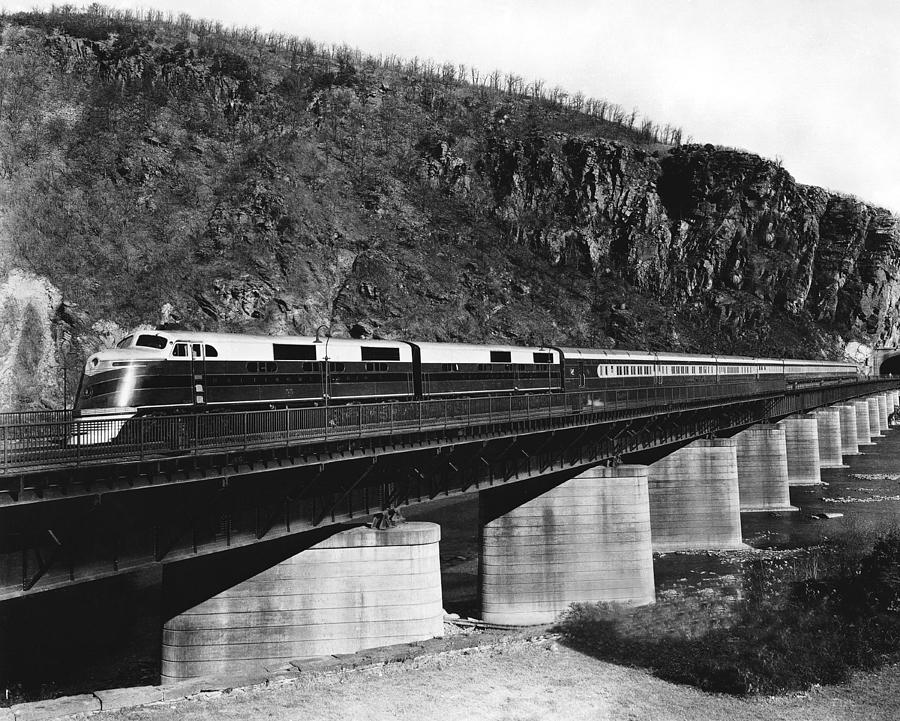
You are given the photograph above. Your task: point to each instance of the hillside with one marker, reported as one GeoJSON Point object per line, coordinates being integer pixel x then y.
{"type": "Point", "coordinates": [175, 174]}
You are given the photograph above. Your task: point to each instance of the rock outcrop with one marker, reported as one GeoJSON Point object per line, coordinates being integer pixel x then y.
{"type": "Point", "coordinates": [31, 346]}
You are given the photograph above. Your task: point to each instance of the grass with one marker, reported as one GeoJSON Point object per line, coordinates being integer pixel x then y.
{"type": "Point", "coordinates": [812, 620]}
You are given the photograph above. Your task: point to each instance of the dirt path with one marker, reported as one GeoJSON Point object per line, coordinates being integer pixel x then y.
{"type": "Point", "coordinates": [522, 680]}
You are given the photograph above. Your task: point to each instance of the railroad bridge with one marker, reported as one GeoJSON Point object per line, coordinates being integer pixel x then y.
{"type": "Point", "coordinates": [258, 517]}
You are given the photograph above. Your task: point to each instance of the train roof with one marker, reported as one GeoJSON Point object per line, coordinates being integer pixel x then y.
{"type": "Point", "coordinates": [234, 338]}
{"type": "Point", "coordinates": [796, 362]}
{"type": "Point", "coordinates": [637, 356]}
{"type": "Point", "coordinates": [599, 354]}
{"type": "Point", "coordinates": [240, 346]}
{"type": "Point", "coordinates": [256, 346]}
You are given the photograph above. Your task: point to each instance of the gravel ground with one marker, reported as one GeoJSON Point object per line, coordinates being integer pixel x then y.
{"type": "Point", "coordinates": [522, 680]}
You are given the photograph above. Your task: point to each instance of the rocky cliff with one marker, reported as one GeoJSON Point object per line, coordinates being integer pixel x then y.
{"type": "Point", "coordinates": [153, 177]}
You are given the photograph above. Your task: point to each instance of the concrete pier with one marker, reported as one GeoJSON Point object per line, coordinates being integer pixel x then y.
{"type": "Point", "coordinates": [863, 431]}
{"type": "Point", "coordinates": [883, 410]}
{"type": "Point", "coordinates": [849, 440]}
{"type": "Point", "coordinates": [587, 539]}
{"type": "Point", "coordinates": [829, 429]}
{"type": "Point", "coordinates": [695, 498]}
{"type": "Point", "coordinates": [802, 438]}
{"type": "Point", "coordinates": [762, 469]}
{"type": "Point", "coordinates": [874, 417]}
{"type": "Point", "coordinates": [360, 588]}
{"type": "Point", "coordinates": [893, 400]}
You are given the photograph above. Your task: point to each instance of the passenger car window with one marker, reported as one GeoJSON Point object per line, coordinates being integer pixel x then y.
{"type": "Point", "coordinates": [369, 353]}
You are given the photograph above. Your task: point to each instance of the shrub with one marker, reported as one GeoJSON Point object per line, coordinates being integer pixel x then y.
{"type": "Point", "coordinates": [786, 634]}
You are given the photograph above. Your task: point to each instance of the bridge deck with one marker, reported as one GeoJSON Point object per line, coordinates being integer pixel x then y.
{"type": "Point", "coordinates": [43, 441]}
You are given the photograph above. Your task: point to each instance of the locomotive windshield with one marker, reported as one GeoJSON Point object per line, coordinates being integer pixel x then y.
{"type": "Point", "coordinates": [125, 342]}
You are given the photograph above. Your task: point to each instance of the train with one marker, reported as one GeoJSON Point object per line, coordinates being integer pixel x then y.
{"type": "Point", "coordinates": [168, 372]}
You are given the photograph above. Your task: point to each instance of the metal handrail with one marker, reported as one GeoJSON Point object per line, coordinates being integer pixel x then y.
{"type": "Point", "coordinates": [76, 442]}
{"type": "Point", "coordinates": [17, 418]}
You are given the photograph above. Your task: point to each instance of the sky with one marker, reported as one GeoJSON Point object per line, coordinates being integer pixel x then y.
{"type": "Point", "coordinates": [814, 83]}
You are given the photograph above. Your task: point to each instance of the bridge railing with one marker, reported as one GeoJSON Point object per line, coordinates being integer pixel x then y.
{"type": "Point", "coordinates": [34, 418]}
{"type": "Point", "coordinates": [74, 442]}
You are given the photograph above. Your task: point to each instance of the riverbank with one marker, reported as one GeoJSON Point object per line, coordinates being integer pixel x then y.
{"type": "Point", "coordinates": [521, 679]}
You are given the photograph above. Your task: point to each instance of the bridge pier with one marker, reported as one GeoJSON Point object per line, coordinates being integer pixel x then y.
{"type": "Point", "coordinates": [893, 400]}
{"type": "Point", "coordinates": [849, 440]}
{"type": "Point", "coordinates": [863, 430]}
{"type": "Point", "coordinates": [882, 410]}
{"type": "Point", "coordinates": [802, 440]}
{"type": "Point", "coordinates": [359, 588]}
{"type": "Point", "coordinates": [828, 422]}
{"type": "Point", "coordinates": [762, 469]}
{"type": "Point", "coordinates": [695, 498]}
{"type": "Point", "coordinates": [889, 407]}
{"type": "Point", "coordinates": [874, 417]}
{"type": "Point", "coordinates": [542, 549]}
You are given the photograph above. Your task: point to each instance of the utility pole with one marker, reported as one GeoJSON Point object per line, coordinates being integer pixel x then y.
{"type": "Point", "coordinates": [327, 330]}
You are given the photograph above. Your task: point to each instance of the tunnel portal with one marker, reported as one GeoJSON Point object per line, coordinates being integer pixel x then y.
{"type": "Point", "coordinates": [890, 365]}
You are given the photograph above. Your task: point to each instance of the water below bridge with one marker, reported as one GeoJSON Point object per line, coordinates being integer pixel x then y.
{"type": "Point", "coordinates": [107, 634]}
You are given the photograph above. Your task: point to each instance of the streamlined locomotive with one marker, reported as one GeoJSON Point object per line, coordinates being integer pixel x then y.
{"type": "Point", "coordinates": [164, 372]}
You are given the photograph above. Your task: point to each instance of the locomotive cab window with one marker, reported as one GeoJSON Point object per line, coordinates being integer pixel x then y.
{"type": "Point", "coordinates": [125, 342]}
{"type": "Point", "coordinates": [151, 341]}
{"type": "Point", "coordinates": [180, 350]}
{"type": "Point", "coordinates": [211, 352]}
